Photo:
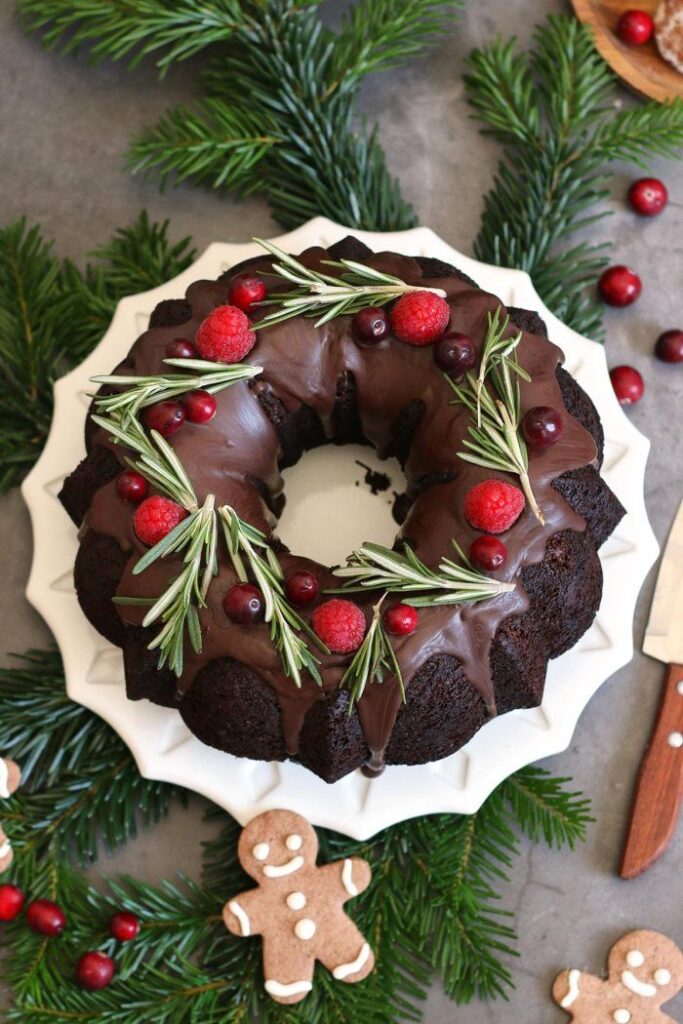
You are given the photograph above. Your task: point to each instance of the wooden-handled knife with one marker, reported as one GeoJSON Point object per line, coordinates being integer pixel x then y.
{"type": "Point", "coordinates": [659, 787]}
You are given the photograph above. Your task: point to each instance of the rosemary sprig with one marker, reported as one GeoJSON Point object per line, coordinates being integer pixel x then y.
{"type": "Point", "coordinates": [374, 567]}
{"type": "Point", "coordinates": [496, 353]}
{"type": "Point", "coordinates": [249, 549]}
{"type": "Point", "coordinates": [357, 286]}
{"type": "Point", "coordinates": [141, 391]}
{"type": "Point", "coordinates": [374, 658]}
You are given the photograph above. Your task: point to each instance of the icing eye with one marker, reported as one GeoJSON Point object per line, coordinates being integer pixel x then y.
{"type": "Point", "coordinates": [261, 851]}
{"type": "Point", "coordinates": [662, 976]}
{"type": "Point", "coordinates": [294, 842]}
{"type": "Point", "coordinates": [634, 958]}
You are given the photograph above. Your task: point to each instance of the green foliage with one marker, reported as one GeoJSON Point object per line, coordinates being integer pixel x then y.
{"type": "Point", "coordinates": [553, 110]}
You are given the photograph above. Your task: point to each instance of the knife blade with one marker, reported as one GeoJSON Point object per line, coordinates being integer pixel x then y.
{"type": "Point", "coordinates": [659, 787]}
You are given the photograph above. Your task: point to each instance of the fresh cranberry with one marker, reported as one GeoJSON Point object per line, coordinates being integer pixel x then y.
{"type": "Point", "coordinates": [648, 196]}
{"type": "Point", "coordinates": [243, 604]}
{"type": "Point", "coordinates": [455, 353]}
{"type": "Point", "coordinates": [131, 486]}
{"type": "Point", "coordinates": [164, 417]}
{"type": "Point", "coordinates": [180, 348]}
{"type": "Point", "coordinates": [370, 325]}
{"type": "Point", "coordinates": [669, 347]}
{"type": "Point", "coordinates": [45, 917]}
{"type": "Point", "coordinates": [619, 286]}
{"type": "Point", "coordinates": [628, 384]}
{"type": "Point", "coordinates": [246, 290]}
{"type": "Point", "coordinates": [635, 27]}
{"type": "Point", "coordinates": [400, 619]}
{"type": "Point", "coordinates": [124, 926]}
{"type": "Point", "coordinates": [302, 587]}
{"type": "Point", "coordinates": [11, 902]}
{"type": "Point", "coordinates": [488, 553]}
{"type": "Point", "coordinates": [199, 406]}
{"type": "Point", "coordinates": [542, 426]}
{"type": "Point", "coordinates": [94, 971]}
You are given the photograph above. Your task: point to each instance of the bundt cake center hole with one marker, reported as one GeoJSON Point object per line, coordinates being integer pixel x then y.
{"type": "Point", "coordinates": [331, 508]}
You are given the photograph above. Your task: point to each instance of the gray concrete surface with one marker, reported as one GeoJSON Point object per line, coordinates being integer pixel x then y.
{"type": "Point", "coordinates": [63, 128]}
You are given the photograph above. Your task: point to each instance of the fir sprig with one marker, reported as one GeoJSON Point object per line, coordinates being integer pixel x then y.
{"type": "Point", "coordinates": [374, 659]}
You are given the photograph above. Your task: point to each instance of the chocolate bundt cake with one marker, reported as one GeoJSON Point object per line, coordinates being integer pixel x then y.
{"type": "Point", "coordinates": [463, 663]}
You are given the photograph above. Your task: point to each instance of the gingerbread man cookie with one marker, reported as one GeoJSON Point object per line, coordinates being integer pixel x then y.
{"type": "Point", "coordinates": [10, 777]}
{"type": "Point", "coordinates": [298, 906]}
{"type": "Point", "coordinates": [645, 970]}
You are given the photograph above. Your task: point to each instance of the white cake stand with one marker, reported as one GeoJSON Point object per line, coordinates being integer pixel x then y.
{"type": "Point", "coordinates": [159, 740]}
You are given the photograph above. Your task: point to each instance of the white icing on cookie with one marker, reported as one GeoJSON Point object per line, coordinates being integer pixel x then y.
{"type": "Point", "coordinates": [662, 976]}
{"type": "Point", "coordinates": [294, 842]}
{"type": "Point", "coordinates": [634, 958]}
{"type": "Point", "coordinates": [296, 901]}
{"type": "Point", "coordinates": [5, 849]}
{"type": "Point", "coordinates": [679, 688]}
{"type": "Point", "coordinates": [344, 970]}
{"type": "Point", "coordinates": [675, 740]}
{"type": "Point", "coordinates": [305, 929]}
{"type": "Point", "coordinates": [279, 870]}
{"type": "Point", "coordinates": [241, 915]}
{"type": "Point", "coordinates": [261, 851]}
{"type": "Point", "coordinates": [4, 779]}
{"type": "Point", "coordinates": [621, 1016]}
{"type": "Point", "coordinates": [347, 878]}
{"type": "Point", "coordinates": [573, 992]}
{"type": "Point", "coordinates": [638, 987]}
{"type": "Point", "coordinates": [295, 988]}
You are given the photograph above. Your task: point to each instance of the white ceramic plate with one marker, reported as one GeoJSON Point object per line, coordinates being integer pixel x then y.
{"type": "Point", "coordinates": [162, 745]}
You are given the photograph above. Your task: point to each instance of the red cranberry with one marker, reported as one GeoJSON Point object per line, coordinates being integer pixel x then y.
{"type": "Point", "coordinates": [669, 347]}
{"type": "Point", "coordinates": [45, 917]}
{"type": "Point", "coordinates": [488, 553]}
{"type": "Point", "coordinates": [619, 286]}
{"type": "Point", "coordinates": [246, 290]}
{"type": "Point", "coordinates": [243, 604]}
{"type": "Point", "coordinates": [124, 926]}
{"type": "Point", "coordinates": [131, 486]}
{"type": "Point", "coordinates": [542, 426]}
{"type": "Point", "coordinates": [370, 325]}
{"type": "Point", "coordinates": [455, 353]}
{"type": "Point", "coordinates": [628, 384]}
{"type": "Point", "coordinates": [635, 27]}
{"type": "Point", "coordinates": [94, 971]}
{"type": "Point", "coordinates": [11, 902]}
{"type": "Point", "coordinates": [648, 196]}
{"type": "Point", "coordinates": [302, 587]}
{"type": "Point", "coordinates": [199, 406]}
{"type": "Point", "coordinates": [180, 348]}
{"type": "Point", "coordinates": [400, 619]}
{"type": "Point", "coordinates": [164, 417]}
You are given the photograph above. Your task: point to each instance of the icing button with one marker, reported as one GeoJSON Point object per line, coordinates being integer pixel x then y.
{"type": "Point", "coordinates": [304, 929]}
{"type": "Point", "coordinates": [675, 740]}
{"type": "Point", "coordinates": [296, 901]}
{"type": "Point", "coordinates": [621, 1016]}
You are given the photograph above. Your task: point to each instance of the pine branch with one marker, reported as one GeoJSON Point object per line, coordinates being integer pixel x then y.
{"type": "Point", "coordinates": [374, 659]}
{"type": "Point", "coordinates": [542, 809]}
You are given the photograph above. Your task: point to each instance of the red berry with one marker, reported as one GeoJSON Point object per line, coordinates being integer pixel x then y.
{"type": "Point", "coordinates": [340, 625]}
{"type": "Point", "coordinates": [124, 926]}
{"type": "Point", "coordinates": [225, 336]}
{"type": "Point", "coordinates": [180, 348]}
{"type": "Point", "coordinates": [628, 384]}
{"type": "Point", "coordinates": [246, 290]}
{"type": "Point", "coordinates": [156, 517]}
{"type": "Point", "coordinates": [11, 902]}
{"type": "Point", "coordinates": [243, 604]}
{"type": "Point", "coordinates": [542, 426]}
{"type": "Point", "coordinates": [648, 196]}
{"type": "Point", "coordinates": [419, 318]}
{"type": "Point", "coordinates": [400, 619]}
{"type": "Point", "coordinates": [455, 353]}
{"type": "Point", "coordinates": [619, 286]}
{"type": "Point", "coordinates": [370, 325]}
{"type": "Point", "coordinates": [635, 27]}
{"type": "Point", "coordinates": [164, 417]}
{"type": "Point", "coordinates": [45, 917]}
{"type": "Point", "coordinates": [95, 971]}
{"type": "Point", "coordinates": [199, 406]}
{"type": "Point", "coordinates": [131, 486]}
{"type": "Point", "coordinates": [488, 553]}
{"type": "Point", "coordinates": [493, 505]}
{"type": "Point", "coordinates": [302, 587]}
{"type": "Point", "coordinates": [669, 347]}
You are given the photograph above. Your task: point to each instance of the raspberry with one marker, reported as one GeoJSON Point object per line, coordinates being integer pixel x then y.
{"type": "Point", "coordinates": [156, 517]}
{"type": "Point", "coordinates": [340, 625]}
{"type": "Point", "coordinates": [419, 318]}
{"type": "Point", "coordinates": [225, 336]}
{"type": "Point", "coordinates": [493, 506]}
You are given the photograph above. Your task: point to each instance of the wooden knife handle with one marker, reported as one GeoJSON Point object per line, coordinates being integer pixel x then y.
{"type": "Point", "coordinates": [659, 787]}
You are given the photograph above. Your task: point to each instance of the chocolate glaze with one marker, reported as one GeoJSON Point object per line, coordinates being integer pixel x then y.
{"type": "Point", "coordinates": [302, 365]}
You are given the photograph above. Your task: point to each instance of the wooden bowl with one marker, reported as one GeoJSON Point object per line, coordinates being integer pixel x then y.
{"type": "Point", "coordinates": [641, 67]}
